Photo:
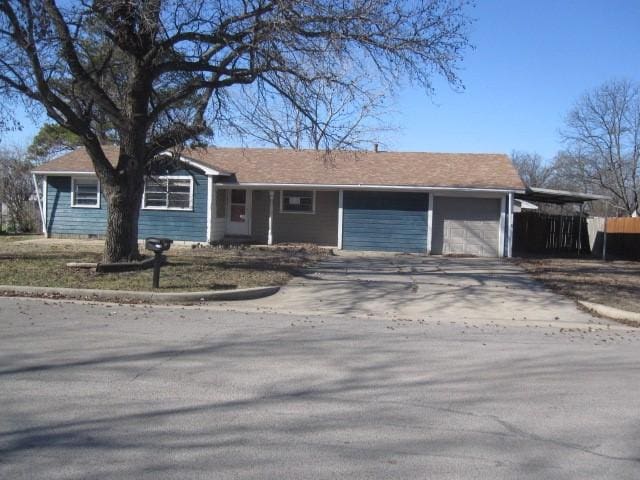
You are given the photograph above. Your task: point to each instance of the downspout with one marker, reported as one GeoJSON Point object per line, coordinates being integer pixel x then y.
{"type": "Point", "coordinates": [270, 231]}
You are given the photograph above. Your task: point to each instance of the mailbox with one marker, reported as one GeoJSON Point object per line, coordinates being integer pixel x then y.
{"type": "Point", "coordinates": [157, 246]}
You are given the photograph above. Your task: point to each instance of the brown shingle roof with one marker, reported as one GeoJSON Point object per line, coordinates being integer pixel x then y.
{"type": "Point", "coordinates": [77, 161]}
{"type": "Point", "coordinates": [282, 166]}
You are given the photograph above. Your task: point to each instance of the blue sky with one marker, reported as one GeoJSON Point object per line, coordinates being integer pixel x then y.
{"type": "Point", "coordinates": [532, 60]}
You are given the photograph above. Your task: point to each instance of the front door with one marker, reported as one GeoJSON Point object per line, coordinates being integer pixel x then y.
{"type": "Point", "coordinates": [238, 212]}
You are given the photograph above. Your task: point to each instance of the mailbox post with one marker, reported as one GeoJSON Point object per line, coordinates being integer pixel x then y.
{"type": "Point", "coordinates": [157, 246]}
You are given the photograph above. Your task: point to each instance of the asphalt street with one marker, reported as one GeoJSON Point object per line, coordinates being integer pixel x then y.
{"type": "Point", "coordinates": [91, 390]}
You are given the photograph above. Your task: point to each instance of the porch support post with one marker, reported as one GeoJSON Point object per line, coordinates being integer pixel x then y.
{"type": "Point", "coordinates": [429, 223]}
{"type": "Point", "coordinates": [270, 234]}
{"type": "Point", "coordinates": [340, 216]}
{"type": "Point", "coordinates": [510, 226]}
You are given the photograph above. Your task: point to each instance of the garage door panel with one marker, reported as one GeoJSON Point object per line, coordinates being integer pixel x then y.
{"type": "Point", "coordinates": [466, 226]}
{"type": "Point", "coordinates": [384, 221]}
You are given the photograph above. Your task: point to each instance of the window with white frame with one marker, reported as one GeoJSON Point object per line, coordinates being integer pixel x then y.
{"type": "Point", "coordinates": [168, 193]}
{"type": "Point", "coordinates": [85, 192]}
{"type": "Point", "coordinates": [293, 201]}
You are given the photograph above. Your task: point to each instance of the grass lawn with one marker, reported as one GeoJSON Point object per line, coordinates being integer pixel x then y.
{"type": "Point", "coordinates": [615, 284]}
{"type": "Point", "coordinates": [35, 261]}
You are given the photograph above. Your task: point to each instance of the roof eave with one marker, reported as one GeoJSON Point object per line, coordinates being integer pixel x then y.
{"type": "Point", "coordinates": [334, 186]}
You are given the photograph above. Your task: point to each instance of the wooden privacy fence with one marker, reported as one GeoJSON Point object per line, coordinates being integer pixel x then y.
{"type": "Point", "coordinates": [623, 238]}
{"type": "Point", "coordinates": [542, 233]}
{"type": "Point", "coordinates": [623, 225]}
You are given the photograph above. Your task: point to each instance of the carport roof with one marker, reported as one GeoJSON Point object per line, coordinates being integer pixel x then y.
{"type": "Point", "coordinates": [345, 168]}
{"type": "Point", "coordinates": [546, 195]}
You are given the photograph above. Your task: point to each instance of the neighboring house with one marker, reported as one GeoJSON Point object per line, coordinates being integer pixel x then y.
{"type": "Point", "coordinates": [432, 203]}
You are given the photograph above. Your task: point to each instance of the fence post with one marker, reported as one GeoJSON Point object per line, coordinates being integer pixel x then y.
{"type": "Point", "coordinates": [604, 237]}
{"type": "Point", "coordinates": [580, 229]}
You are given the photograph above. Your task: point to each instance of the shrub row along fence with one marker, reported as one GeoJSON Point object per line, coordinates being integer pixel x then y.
{"type": "Point", "coordinates": [541, 233]}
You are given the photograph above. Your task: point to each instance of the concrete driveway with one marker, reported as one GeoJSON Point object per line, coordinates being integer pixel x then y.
{"type": "Point", "coordinates": [419, 287]}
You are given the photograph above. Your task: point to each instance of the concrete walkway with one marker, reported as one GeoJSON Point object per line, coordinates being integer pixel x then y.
{"type": "Point", "coordinates": [420, 287]}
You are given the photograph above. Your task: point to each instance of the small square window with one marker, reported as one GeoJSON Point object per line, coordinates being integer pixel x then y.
{"type": "Point", "coordinates": [85, 192]}
{"type": "Point", "coordinates": [298, 201]}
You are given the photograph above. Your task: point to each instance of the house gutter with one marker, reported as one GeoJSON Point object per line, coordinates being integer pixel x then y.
{"type": "Point", "coordinates": [401, 188]}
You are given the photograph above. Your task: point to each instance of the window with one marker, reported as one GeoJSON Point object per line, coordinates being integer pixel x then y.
{"type": "Point", "coordinates": [85, 192]}
{"type": "Point", "coordinates": [168, 193]}
{"type": "Point", "coordinates": [292, 201]}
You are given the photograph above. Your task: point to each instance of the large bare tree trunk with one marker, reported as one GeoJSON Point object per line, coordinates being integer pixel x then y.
{"type": "Point", "coordinates": [124, 200]}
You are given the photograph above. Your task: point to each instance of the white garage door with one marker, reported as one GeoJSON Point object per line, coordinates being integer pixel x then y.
{"type": "Point", "coordinates": [466, 226]}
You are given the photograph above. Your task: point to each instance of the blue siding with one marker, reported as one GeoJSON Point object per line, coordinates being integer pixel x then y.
{"type": "Point", "coordinates": [385, 221]}
{"type": "Point", "coordinates": [63, 219]}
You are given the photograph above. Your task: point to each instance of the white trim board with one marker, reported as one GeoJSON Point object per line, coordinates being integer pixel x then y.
{"type": "Point", "coordinates": [430, 223]}
{"type": "Point", "coordinates": [40, 205]}
{"type": "Point", "coordinates": [210, 200]}
{"type": "Point", "coordinates": [501, 230]}
{"type": "Point", "coordinates": [299, 186]}
{"type": "Point", "coordinates": [510, 226]}
{"type": "Point", "coordinates": [340, 217]}
{"type": "Point", "coordinates": [45, 192]}
{"type": "Point", "coordinates": [207, 170]}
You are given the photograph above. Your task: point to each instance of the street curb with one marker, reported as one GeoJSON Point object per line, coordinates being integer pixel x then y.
{"type": "Point", "coordinates": [123, 296]}
{"type": "Point", "coordinates": [611, 312]}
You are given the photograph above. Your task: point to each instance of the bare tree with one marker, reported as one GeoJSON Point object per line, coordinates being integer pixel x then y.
{"type": "Point", "coordinates": [532, 169]}
{"type": "Point", "coordinates": [162, 72]}
{"type": "Point", "coordinates": [16, 189]}
{"type": "Point", "coordinates": [326, 117]}
{"type": "Point", "coordinates": [602, 135]}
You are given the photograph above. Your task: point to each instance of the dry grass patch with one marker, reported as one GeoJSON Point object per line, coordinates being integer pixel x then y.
{"type": "Point", "coordinates": [615, 284]}
{"type": "Point", "coordinates": [41, 262]}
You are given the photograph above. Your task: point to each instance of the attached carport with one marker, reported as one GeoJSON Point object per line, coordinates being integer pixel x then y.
{"type": "Point", "coordinates": [547, 233]}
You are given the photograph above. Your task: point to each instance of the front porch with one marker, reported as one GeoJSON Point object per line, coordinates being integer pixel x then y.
{"type": "Point", "coordinates": [244, 215]}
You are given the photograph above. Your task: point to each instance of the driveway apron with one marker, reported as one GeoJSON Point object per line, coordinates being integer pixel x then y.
{"type": "Point", "coordinates": [422, 287]}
